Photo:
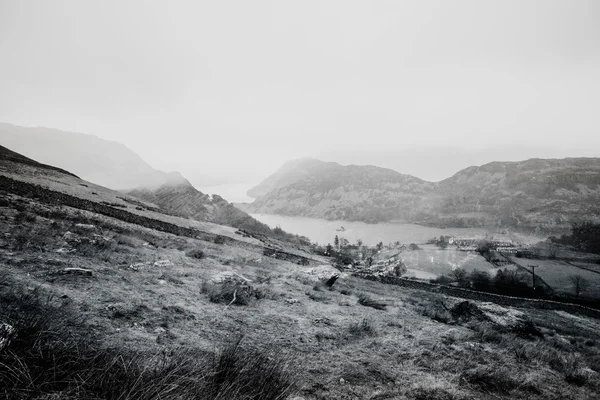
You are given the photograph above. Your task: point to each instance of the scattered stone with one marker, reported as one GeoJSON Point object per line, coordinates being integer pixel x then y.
{"type": "Point", "coordinates": [163, 263]}
{"type": "Point", "coordinates": [6, 334]}
{"type": "Point", "coordinates": [160, 330]}
{"type": "Point", "coordinates": [322, 273]}
{"type": "Point", "coordinates": [89, 227]}
{"type": "Point", "coordinates": [342, 381]}
{"type": "Point", "coordinates": [229, 276]}
{"type": "Point", "coordinates": [505, 318]}
{"type": "Point", "coordinates": [292, 301]}
{"type": "Point", "coordinates": [71, 237]}
{"type": "Point", "coordinates": [139, 266]}
{"type": "Point", "coordinates": [322, 321]}
{"type": "Point", "coordinates": [65, 250]}
{"type": "Point", "coordinates": [75, 271]}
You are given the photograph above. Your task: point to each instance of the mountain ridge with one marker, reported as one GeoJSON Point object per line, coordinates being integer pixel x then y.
{"type": "Point", "coordinates": [532, 194]}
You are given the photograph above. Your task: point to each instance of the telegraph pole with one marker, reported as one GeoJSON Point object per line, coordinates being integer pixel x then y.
{"type": "Point", "coordinates": [533, 267]}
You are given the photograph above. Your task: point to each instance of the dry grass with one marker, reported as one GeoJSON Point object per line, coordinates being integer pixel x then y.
{"type": "Point", "coordinates": [393, 343]}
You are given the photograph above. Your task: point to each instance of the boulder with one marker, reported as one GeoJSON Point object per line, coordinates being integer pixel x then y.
{"type": "Point", "coordinates": [88, 227]}
{"type": "Point", "coordinates": [75, 271]}
{"type": "Point", "coordinates": [322, 273]}
{"type": "Point", "coordinates": [229, 276]}
{"type": "Point", "coordinates": [163, 263]}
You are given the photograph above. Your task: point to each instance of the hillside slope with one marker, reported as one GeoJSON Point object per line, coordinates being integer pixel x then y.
{"type": "Point", "coordinates": [103, 162]}
{"type": "Point", "coordinates": [333, 191]}
{"type": "Point", "coordinates": [179, 197]}
{"type": "Point", "coordinates": [532, 194]}
{"type": "Point", "coordinates": [96, 286]}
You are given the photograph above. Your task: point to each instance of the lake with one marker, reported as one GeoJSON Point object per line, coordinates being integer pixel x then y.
{"type": "Point", "coordinates": [323, 231]}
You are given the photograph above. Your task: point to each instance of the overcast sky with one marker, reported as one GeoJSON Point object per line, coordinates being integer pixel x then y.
{"type": "Point", "coordinates": [235, 88]}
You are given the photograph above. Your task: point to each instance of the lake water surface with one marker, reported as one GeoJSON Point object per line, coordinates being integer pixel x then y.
{"type": "Point", "coordinates": [323, 231]}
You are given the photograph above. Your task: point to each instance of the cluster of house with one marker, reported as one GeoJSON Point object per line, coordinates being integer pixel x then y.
{"type": "Point", "coordinates": [471, 243]}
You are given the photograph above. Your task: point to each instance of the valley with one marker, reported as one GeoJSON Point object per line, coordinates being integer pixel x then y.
{"type": "Point", "coordinates": [132, 281]}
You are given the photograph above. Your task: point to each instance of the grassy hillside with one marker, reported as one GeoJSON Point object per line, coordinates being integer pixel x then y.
{"type": "Point", "coordinates": [98, 304]}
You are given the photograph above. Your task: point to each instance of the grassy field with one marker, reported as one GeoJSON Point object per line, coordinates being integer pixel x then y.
{"type": "Point", "coordinates": [105, 309]}
{"type": "Point", "coordinates": [433, 260]}
{"type": "Point", "coordinates": [557, 274]}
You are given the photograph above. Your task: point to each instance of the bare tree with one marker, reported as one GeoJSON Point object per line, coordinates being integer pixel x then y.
{"type": "Point", "coordinates": [580, 284]}
{"type": "Point", "coordinates": [460, 276]}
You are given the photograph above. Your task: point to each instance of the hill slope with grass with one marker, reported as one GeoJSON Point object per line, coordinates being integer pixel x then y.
{"type": "Point", "coordinates": [103, 295]}
{"type": "Point", "coordinates": [178, 196]}
{"type": "Point", "coordinates": [533, 194]}
{"type": "Point", "coordinates": [313, 188]}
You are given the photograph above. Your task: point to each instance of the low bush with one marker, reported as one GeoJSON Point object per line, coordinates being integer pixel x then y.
{"type": "Point", "coordinates": [437, 312]}
{"type": "Point", "coordinates": [195, 253]}
{"type": "Point", "coordinates": [219, 239]}
{"type": "Point", "coordinates": [237, 293]}
{"type": "Point", "coordinates": [367, 301]}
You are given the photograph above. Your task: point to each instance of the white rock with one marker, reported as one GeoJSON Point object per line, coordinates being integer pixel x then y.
{"type": "Point", "coordinates": [86, 226]}
{"type": "Point", "coordinates": [163, 263]}
{"type": "Point", "coordinates": [6, 334]}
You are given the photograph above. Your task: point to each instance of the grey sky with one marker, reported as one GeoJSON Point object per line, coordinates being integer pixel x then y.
{"type": "Point", "coordinates": [235, 88]}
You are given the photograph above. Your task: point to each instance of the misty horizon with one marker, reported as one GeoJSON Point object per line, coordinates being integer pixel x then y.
{"type": "Point", "coordinates": [425, 88]}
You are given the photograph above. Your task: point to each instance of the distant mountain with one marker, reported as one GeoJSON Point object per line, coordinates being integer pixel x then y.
{"type": "Point", "coordinates": [314, 188]}
{"type": "Point", "coordinates": [292, 171]}
{"type": "Point", "coordinates": [533, 194]}
{"type": "Point", "coordinates": [536, 193]}
{"type": "Point", "coordinates": [103, 162]}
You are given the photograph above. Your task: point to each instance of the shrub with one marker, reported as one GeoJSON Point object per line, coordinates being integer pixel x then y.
{"type": "Point", "coordinates": [441, 280]}
{"type": "Point", "coordinates": [437, 312]}
{"type": "Point", "coordinates": [24, 216]}
{"type": "Point", "coordinates": [195, 253]}
{"type": "Point", "coordinates": [367, 301]}
{"type": "Point", "coordinates": [237, 293]}
{"type": "Point", "coordinates": [481, 280]}
{"type": "Point", "coordinates": [219, 239]}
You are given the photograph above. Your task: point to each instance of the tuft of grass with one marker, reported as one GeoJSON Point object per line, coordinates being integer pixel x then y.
{"type": "Point", "coordinates": [363, 328]}
{"type": "Point", "coordinates": [317, 297]}
{"type": "Point", "coordinates": [367, 301]}
{"type": "Point", "coordinates": [52, 355]}
{"type": "Point", "coordinates": [490, 379]}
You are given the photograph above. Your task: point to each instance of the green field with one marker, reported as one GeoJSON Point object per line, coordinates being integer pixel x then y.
{"type": "Point", "coordinates": [557, 275]}
{"type": "Point", "coordinates": [434, 260]}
